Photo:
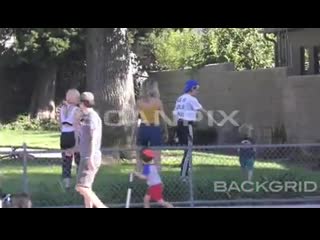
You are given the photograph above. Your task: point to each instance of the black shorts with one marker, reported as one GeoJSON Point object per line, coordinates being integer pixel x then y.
{"type": "Point", "coordinates": [67, 140]}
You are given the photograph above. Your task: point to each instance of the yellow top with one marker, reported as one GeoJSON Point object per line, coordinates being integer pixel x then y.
{"type": "Point", "coordinates": [150, 115]}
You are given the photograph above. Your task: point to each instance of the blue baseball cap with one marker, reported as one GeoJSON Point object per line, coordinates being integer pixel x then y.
{"type": "Point", "coordinates": [190, 84]}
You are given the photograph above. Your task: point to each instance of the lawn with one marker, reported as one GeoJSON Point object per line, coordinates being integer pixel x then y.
{"type": "Point", "coordinates": [40, 139]}
{"type": "Point", "coordinates": [112, 181]}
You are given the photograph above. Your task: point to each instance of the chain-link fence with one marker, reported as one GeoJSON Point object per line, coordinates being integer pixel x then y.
{"type": "Point", "coordinates": [217, 174]}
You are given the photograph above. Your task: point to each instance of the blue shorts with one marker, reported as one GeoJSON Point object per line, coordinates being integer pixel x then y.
{"type": "Point", "coordinates": [149, 136]}
{"type": "Point", "coordinates": [247, 163]}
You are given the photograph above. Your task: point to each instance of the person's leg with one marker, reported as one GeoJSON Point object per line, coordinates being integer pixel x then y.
{"type": "Point", "coordinates": [190, 144]}
{"type": "Point", "coordinates": [243, 167]}
{"type": "Point", "coordinates": [156, 194]}
{"type": "Point", "coordinates": [77, 160]}
{"type": "Point", "coordinates": [165, 204]}
{"type": "Point", "coordinates": [87, 202]}
{"type": "Point", "coordinates": [85, 181]}
{"type": "Point", "coordinates": [156, 141]}
{"type": "Point", "coordinates": [141, 142]}
{"type": "Point", "coordinates": [188, 133]}
{"type": "Point", "coordinates": [146, 201]}
{"type": "Point", "coordinates": [67, 143]}
{"type": "Point", "coordinates": [250, 166]}
{"type": "Point", "coordinates": [66, 168]}
{"type": "Point", "coordinates": [90, 198]}
{"type": "Point", "coordinates": [182, 134]}
{"type": "Point", "coordinates": [185, 153]}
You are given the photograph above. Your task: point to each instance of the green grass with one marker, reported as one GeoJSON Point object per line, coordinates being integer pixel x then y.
{"type": "Point", "coordinates": [112, 181]}
{"type": "Point", "coordinates": [40, 139]}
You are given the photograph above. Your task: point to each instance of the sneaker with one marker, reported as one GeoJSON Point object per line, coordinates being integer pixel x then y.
{"type": "Point", "coordinates": [184, 179]}
{"type": "Point", "coordinates": [67, 183]}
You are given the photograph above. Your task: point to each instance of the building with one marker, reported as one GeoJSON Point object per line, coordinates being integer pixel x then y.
{"type": "Point", "coordinates": [296, 48]}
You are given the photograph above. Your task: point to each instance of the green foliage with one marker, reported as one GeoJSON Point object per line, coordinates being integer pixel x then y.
{"type": "Point", "coordinates": [140, 40]}
{"type": "Point", "coordinates": [177, 49]}
{"type": "Point", "coordinates": [40, 45]}
{"type": "Point", "coordinates": [25, 123]}
{"type": "Point", "coordinates": [245, 47]}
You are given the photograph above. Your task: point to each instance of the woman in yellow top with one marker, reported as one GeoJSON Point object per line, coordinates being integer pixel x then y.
{"type": "Point", "coordinates": [149, 132]}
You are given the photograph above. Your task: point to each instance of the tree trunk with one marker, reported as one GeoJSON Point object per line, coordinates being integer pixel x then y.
{"type": "Point", "coordinates": [42, 101]}
{"type": "Point", "coordinates": [109, 77]}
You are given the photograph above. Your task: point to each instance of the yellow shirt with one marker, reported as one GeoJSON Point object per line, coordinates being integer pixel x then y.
{"type": "Point", "coordinates": [150, 115]}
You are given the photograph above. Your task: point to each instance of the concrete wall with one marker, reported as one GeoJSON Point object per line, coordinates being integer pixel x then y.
{"type": "Point", "coordinates": [307, 37]}
{"type": "Point", "coordinates": [266, 100]}
{"type": "Point", "coordinates": [301, 108]}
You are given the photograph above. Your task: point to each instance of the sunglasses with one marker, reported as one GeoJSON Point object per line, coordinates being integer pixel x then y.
{"type": "Point", "coordinates": [196, 88]}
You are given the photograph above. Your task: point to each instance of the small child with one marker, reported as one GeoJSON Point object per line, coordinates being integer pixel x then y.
{"type": "Point", "coordinates": [21, 200]}
{"type": "Point", "coordinates": [247, 155]}
{"type": "Point", "coordinates": [151, 175]}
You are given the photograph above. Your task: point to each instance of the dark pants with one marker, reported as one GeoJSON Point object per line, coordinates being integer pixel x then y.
{"type": "Point", "coordinates": [67, 164]}
{"type": "Point", "coordinates": [68, 141]}
{"type": "Point", "coordinates": [185, 136]}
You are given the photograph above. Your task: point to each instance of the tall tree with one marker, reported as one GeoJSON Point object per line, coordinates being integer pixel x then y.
{"type": "Point", "coordinates": [109, 76]}
{"type": "Point", "coordinates": [44, 49]}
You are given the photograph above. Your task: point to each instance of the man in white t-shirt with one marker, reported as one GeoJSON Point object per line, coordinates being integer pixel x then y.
{"type": "Point", "coordinates": [185, 112]}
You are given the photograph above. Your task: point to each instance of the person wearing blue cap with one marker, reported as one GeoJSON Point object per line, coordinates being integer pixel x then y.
{"type": "Point", "coordinates": [185, 112]}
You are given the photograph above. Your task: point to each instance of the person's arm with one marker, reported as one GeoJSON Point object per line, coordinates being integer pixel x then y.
{"type": "Point", "coordinates": [198, 107]}
{"type": "Point", "coordinates": [137, 110]}
{"type": "Point", "coordinates": [94, 135]}
{"type": "Point", "coordinates": [62, 110]}
{"type": "Point", "coordinates": [137, 121]}
{"type": "Point", "coordinates": [165, 126]}
{"type": "Point", "coordinates": [204, 111]}
{"type": "Point", "coordinates": [140, 176]}
{"type": "Point", "coordinates": [77, 125]}
{"type": "Point", "coordinates": [144, 174]}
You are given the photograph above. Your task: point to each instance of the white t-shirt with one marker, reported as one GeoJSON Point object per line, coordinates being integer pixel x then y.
{"type": "Point", "coordinates": [187, 108]}
{"type": "Point", "coordinates": [70, 118]}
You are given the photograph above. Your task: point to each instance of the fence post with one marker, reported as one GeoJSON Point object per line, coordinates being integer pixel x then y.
{"type": "Point", "coordinates": [25, 173]}
{"type": "Point", "coordinates": [191, 177]}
